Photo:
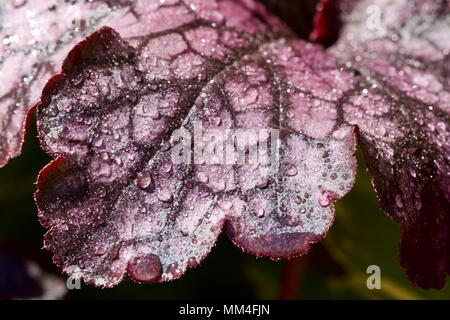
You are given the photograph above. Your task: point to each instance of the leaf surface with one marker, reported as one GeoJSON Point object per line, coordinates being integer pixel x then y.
{"type": "Point", "coordinates": [399, 51]}
{"type": "Point", "coordinates": [116, 201]}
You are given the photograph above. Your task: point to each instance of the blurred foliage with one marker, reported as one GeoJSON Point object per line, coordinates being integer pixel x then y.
{"type": "Point", "coordinates": [361, 236]}
{"type": "Point", "coordinates": [297, 14]}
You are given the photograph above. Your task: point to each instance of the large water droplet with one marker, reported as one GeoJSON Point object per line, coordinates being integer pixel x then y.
{"type": "Point", "coordinates": [259, 212]}
{"type": "Point", "coordinates": [144, 179]}
{"type": "Point", "coordinates": [145, 268]}
{"type": "Point", "coordinates": [324, 200]}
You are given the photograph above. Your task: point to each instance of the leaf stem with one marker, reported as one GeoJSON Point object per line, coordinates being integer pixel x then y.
{"type": "Point", "coordinates": [292, 278]}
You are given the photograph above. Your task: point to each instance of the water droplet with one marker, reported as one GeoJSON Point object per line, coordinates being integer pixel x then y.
{"type": "Point", "coordinates": [166, 167]}
{"type": "Point", "coordinates": [324, 200]}
{"type": "Point", "coordinates": [291, 170]}
{"type": "Point", "coordinates": [18, 3]}
{"type": "Point", "coordinates": [105, 156]}
{"type": "Point", "coordinates": [105, 170]}
{"type": "Point", "coordinates": [174, 270]}
{"type": "Point", "coordinates": [100, 249]}
{"type": "Point", "coordinates": [192, 262]}
{"type": "Point", "coordinates": [98, 142]}
{"type": "Point", "coordinates": [250, 96]}
{"type": "Point", "coordinates": [225, 205]}
{"type": "Point", "coordinates": [146, 268]}
{"type": "Point", "coordinates": [259, 212]}
{"type": "Point", "coordinates": [165, 195]}
{"type": "Point", "coordinates": [441, 126]}
{"type": "Point", "coordinates": [398, 201]}
{"type": "Point", "coordinates": [144, 179]}
{"type": "Point", "coordinates": [101, 192]}
{"type": "Point", "coordinates": [381, 131]}
{"type": "Point", "coordinates": [264, 182]}
{"type": "Point", "coordinates": [118, 161]}
{"type": "Point", "coordinates": [220, 186]}
{"type": "Point", "coordinates": [298, 200]}
{"type": "Point", "coordinates": [202, 177]}
{"type": "Point", "coordinates": [199, 102]}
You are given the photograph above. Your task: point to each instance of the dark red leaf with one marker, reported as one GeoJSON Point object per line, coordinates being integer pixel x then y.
{"type": "Point", "coordinates": [327, 22]}
{"type": "Point", "coordinates": [400, 53]}
{"type": "Point", "coordinates": [115, 200]}
{"type": "Point", "coordinates": [35, 36]}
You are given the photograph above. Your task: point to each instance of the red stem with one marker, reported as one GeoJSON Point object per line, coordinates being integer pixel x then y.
{"type": "Point", "coordinates": [292, 278]}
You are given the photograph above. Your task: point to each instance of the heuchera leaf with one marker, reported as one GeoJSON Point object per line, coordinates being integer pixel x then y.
{"type": "Point", "coordinates": [116, 202]}
{"type": "Point", "coordinates": [35, 36]}
{"type": "Point", "coordinates": [400, 54]}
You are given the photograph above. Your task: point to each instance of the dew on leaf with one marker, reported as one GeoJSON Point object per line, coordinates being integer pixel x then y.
{"type": "Point", "coordinates": [165, 195]}
{"type": "Point", "coordinates": [144, 180]}
{"type": "Point", "coordinates": [145, 268]}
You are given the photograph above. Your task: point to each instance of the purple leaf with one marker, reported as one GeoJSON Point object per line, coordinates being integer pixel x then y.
{"type": "Point", "coordinates": [400, 53]}
{"type": "Point", "coordinates": [116, 200]}
{"type": "Point", "coordinates": [35, 36]}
